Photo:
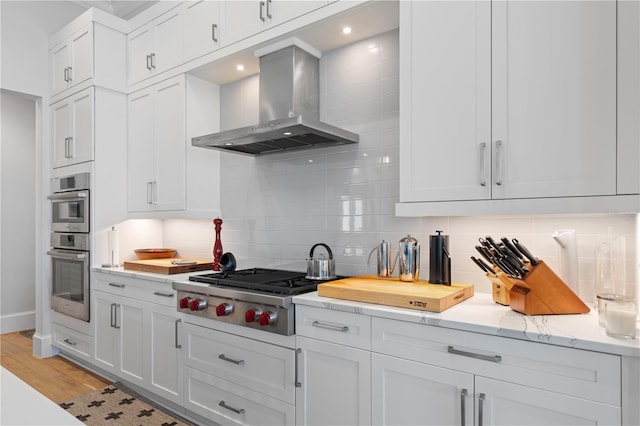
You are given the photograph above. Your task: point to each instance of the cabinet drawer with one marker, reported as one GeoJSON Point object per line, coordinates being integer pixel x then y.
{"type": "Point", "coordinates": [585, 374]}
{"type": "Point", "coordinates": [151, 291]}
{"type": "Point", "coordinates": [333, 326]}
{"type": "Point", "coordinates": [161, 294]}
{"type": "Point", "coordinates": [72, 342]}
{"type": "Point", "coordinates": [265, 368]}
{"type": "Point", "coordinates": [227, 403]}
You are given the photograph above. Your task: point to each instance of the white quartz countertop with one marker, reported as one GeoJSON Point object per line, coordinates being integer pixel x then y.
{"type": "Point", "coordinates": [161, 278]}
{"type": "Point", "coordinates": [481, 314]}
{"type": "Point", "coordinates": [20, 404]}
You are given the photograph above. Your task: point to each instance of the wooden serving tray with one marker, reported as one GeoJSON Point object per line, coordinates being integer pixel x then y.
{"type": "Point", "coordinates": [164, 266]}
{"type": "Point", "coordinates": [420, 295]}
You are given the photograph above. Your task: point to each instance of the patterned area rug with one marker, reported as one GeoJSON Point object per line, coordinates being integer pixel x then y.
{"type": "Point", "coordinates": [114, 405]}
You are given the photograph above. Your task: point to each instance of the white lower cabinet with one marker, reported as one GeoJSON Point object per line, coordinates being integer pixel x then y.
{"type": "Point", "coordinates": [334, 368]}
{"type": "Point", "coordinates": [335, 384]}
{"type": "Point", "coordinates": [136, 334]}
{"type": "Point", "coordinates": [231, 379]}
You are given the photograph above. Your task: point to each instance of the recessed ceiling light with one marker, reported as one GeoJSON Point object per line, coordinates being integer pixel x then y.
{"type": "Point", "coordinates": [287, 133]}
{"type": "Point", "coordinates": [240, 67]}
{"type": "Point", "coordinates": [346, 30]}
{"type": "Point", "coordinates": [228, 144]}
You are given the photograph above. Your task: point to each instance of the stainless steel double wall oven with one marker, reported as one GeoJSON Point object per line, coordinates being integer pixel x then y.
{"type": "Point", "coordinates": [70, 245]}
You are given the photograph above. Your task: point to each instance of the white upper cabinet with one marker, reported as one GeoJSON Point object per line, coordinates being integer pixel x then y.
{"type": "Point", "coordinates": [245, 18]}
{"type": "Point", "coordinates": [71, 61]}
{"type": "Point", "coordinates": [72, 122]}
{"type": "Point", "coordinates": [506, 101]}
{"type": "Point", "coordinates": [155, 47]}
{"type": "Point", "coordinates": [201, 28]}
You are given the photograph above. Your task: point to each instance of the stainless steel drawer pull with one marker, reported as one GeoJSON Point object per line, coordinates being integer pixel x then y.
{"type": "Point", "coordinates": [318, 324]}
{"type": "Point", "coordinates": [116, 285]}
{"type": "Point", "coordinates": [463, 397]}
{"type": "Point", "coordinates": [159, 293]}
{"type": "Point", "coordinates": [234, 361]}
{"type": "Point", "coordinates": [499, 161]}
{"type": "Point", "coordinates": [177, 344]}
{"type": "Point", "coordinates": [481, 398]}
{"type": "Point", "coordinates": [69, 342]}
{"type": "Point", "coordinates": [492, 358]}
{"type": "Point", "coordinates": [235, 410]}
{"type": "Point", "coordinates": [214, 28]}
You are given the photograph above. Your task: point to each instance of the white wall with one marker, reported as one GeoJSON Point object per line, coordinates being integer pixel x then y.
{"type": "Point", "coordinates": [276, 207]}
{"type": "Point", "coordinates": [18, 216]}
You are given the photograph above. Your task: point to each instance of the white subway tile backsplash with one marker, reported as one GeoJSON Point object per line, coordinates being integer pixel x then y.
{"type": "Point", "coordinates": [276, 207]}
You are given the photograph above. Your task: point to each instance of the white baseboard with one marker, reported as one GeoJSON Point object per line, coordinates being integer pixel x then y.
{"type": "Point", "coordinates": [17, 322]}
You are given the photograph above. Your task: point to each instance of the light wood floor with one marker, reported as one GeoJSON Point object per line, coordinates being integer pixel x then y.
{"type": "Point", "coordinates": [55, 377]}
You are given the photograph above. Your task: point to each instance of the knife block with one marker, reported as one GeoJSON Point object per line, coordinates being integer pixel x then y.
{"type": "Point", "coordinates": [500, 286]}
{"type": "Point", "coordinates": [542, 292]}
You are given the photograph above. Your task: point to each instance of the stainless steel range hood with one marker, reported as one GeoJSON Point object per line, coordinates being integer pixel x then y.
{"type": "Point", "coordinates": [289, 110]}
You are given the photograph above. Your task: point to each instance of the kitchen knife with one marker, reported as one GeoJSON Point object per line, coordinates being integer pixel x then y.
{"type": "Point", "coordinates": [508, 244]}
{"type": "Point", "coordinates": [522, 249]}
{"type": "Point", "coordinates": [480, 265]}
{"type": "Point", "coordinates": [485, 253]}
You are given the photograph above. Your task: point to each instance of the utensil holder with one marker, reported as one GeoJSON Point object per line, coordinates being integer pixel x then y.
{"type": "Point", "coordinates": [542, 292]}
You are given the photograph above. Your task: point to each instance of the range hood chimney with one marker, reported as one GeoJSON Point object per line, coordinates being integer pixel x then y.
{"type": "Point", "coordinates": [289, 110]}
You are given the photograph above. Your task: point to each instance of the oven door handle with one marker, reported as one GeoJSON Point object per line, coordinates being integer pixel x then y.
{"type": "Point", "coordinates": [68, 195]}
{"type": "Point", "coordinates": [67, 254]}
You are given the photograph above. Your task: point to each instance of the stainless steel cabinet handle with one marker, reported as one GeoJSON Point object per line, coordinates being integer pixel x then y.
{"type": "Point", "coordinates": [67, 76]}
{"type": "Point", "coordinates": [70, 147]}
{"type": "Point", "coordinates": [499, 161]}
{"type": "Point", "coordinates": [69, 342]}
{"type": "Point", "coordinates": [159, 293]}
{"type": "Point", "coordinates": [235, 410]}
{"type": "Point", "coordinates": [492, 358]}
{"type": "Point", "coordinates": [463, 397]}
{"type": "Point", "coordinates": [116, 285]}
{"type": "Point", "coordinates": [319, 324]}
{"type": "Point", "coordinates": [70, 73]}
{"type": "Point", "coordinates": [66, 147]}
{"type": "Point", "coordinates": [269, 9]}
{"type": "Point", "coordinates": [178, 345]}
{"type": "Point", "coordinates": [149, 62]}
{"type": "Point", "coordinates": [115, 318]}
{"type": "Point", "coordinates": [112, 322]}
{"type": "Point", "coordinates": [297, 378]}
{"type": "Point", "coordinates": [149, 193]}
{"type": "Point", "coordinates": [214, 30]}
{"type": "Point", "coordinates": [233, 361]}
{"type": "Point", "coordinates": [153, 60]}
{"type": "Point", "coordinates": [481, 399]}
{"type": "Point", "coordinates": [483, 172]}
{"type": "Point", "coordinates": [262, 11]}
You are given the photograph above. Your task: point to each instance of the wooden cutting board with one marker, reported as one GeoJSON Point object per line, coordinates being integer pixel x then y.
{"type": "Point", "coordinates": [392, 292]}
{"type": "Point", "coordinates": [164, 266]}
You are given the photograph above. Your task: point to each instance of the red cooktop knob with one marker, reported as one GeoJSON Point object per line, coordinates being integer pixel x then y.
{"type": "Point", "coordinates": [224, 309]}
{"type": "Point", "coordinates": [266, 318]}
{"type": "Point", "coordinates": [184, 302]}
{"type": "Point", "coordinates": [252, 315]}
{"type": "Point", "coordinates": [197, 304]}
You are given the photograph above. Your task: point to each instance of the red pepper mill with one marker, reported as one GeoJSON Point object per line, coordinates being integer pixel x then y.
{"type": "Point", "coordinates": [217, 246]}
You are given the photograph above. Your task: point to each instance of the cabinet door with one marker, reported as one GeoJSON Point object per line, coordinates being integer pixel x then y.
{"type": "Point", "coordinates": [170, 144]}
{"type": "Point", "coordinates": [140, 47]}
{"type": "Point", "coordinates": [166, 354]}
{"type": "Point", "coordinates": [445, 98]}
{"type": "Point", "coordinates": [131, 325]}
{"type": "Point", "coordinates": [335, 384]}
{"type": "Point", "coordinates": [554, 98]}
{"type": "Point", "coordinates": [59, 60]}
{"type": "Point", "coordinates": [412, 393]}
{"type": "Point", "coordinates": [286, 10]}
{"type": "Point", "coordinates": [201, 28]}
{"type": "Point", "coordinates": [81, 55]}
{"type": "Point", "coordinates": [141, 156]}
{"type": "Point", "coordinates": [81, 144]}
{"type": "Point", "coordinates": [61, 132]}
{"type": "Point", "coordinates": [243, 19]}
{"type": "Point", "coordinates": [505, 403]}
{"type": "Point", "coordinates": [105, 336]}
{"type": "Point", "coordinates": [168, 41]}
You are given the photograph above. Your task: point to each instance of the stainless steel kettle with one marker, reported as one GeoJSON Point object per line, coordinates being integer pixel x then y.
{"type": "Point", "coordinates": [383, 259]}
{"type": "Point", "coordinates": [408, 258]}
{"type": "Point", "coordinates": [321, 268]}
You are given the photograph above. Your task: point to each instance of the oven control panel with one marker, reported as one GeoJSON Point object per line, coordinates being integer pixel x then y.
{"type": "Point", "coordinates": [274, 319]}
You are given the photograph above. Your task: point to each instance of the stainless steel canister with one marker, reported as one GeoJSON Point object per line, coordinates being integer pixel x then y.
{"type": "Point", "coordinates": [383, 259]}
